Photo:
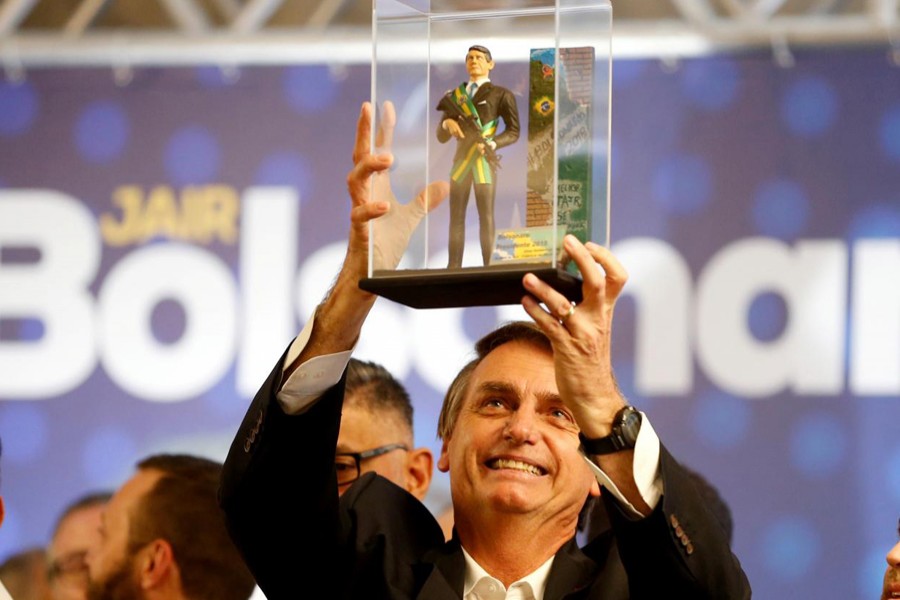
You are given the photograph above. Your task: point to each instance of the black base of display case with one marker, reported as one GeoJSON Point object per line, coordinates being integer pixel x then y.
{"type": "Point", "coordinates": [469, 286]}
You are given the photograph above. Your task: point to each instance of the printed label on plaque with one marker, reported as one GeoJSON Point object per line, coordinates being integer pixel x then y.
{"type": "Point", "coordinates": [528, 245]}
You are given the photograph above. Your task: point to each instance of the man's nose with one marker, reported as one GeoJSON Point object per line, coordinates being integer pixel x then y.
{"type": "Point", "coordinates": [521, 427]}
{"type": "Point", "coordinates": [893, 556]}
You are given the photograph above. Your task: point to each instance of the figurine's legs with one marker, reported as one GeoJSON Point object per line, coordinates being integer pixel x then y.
{"type": "Point", "coordinates": [484, 201]}
{"type": "Point", "coordinates": [459, 199]}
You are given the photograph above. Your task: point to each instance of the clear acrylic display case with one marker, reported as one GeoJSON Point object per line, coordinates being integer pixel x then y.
{"type": "Point", "coordinates": [553, 58]}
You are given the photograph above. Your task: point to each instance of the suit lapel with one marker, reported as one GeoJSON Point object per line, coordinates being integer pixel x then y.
{"type": "Point", "coordinates": [442, 572]}
{"type": "Point", "coordinates": [481, 92]}
{"type": "Point", "coordinates": [572, 572]}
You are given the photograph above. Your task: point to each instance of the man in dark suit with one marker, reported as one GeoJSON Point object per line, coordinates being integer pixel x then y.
{"type": "Point", "coordinates": [513, 426]}
{"type": "Point", "coordinates": [484, 104]}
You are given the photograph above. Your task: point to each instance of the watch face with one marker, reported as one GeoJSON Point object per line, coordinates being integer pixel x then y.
{"type": "Point", "coordinates": [630, 425]}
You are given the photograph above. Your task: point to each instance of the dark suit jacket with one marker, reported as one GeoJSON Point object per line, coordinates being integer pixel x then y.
{"type": "Point", "coordinates": [377, 541]}
{"type": "Point", "coordinates": [491, 101]}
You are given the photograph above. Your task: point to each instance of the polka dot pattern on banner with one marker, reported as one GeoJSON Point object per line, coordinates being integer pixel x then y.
{"type": "Point", "coordinates": [682, 185]}
{"type": "Point", "coordinates": [710, 84]}
{"type": "Point", "coordinates": [809, 107]}
{"type": "Point", "coordinates": [102, 132]}
{"type": "Point", "coordinates": [818, 445]}
{"type": "Point", "coordinates": [721, 421]}
{"type": "Point", "coordinates": [287, 169]}
{"type": "Point", "coordinates": [309, 88]}
{"type": "Point", "coordinates": [19, 107]}
{"type": "Point", "coordinates": [790, 548]}
{"type": "Point", "coordinates": [781, 209]}
{"type": "Point", "coordinates": [108, 457]}
{"type": "Point", "coordinates": [881, 220]}
{"type": "Point", "coordinates": [889, 134]}
{"type": "Point", "coordinates": [29, 424]}
{"type": "Point", "coordinates": [192, 156]}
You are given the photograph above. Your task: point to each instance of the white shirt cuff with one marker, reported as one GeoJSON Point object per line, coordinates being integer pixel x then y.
{"type": "Point", "coordinates": [646, 470]}
{"type": "Point", "coordinates": [312, 378]}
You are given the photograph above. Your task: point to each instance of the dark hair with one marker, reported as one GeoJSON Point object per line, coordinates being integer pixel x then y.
{"type": "Point", "coordinates": [371, 386]}
{"type": "Point", "coordinates": [516, 331]}
{"type": "Point", "coordinates": [87, 501]}
{"type": "Point", "coordinates": [181, 508]}
{"type": "Point", "coordinates": [483, 50]}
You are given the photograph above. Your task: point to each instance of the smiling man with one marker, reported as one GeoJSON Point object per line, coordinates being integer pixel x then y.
{"type": "Point", "coordinates": [531, 429]}
{"type": "Point", "coordinates": [891, 587]}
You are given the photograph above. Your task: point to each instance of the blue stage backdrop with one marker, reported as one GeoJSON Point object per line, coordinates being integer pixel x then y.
{"type": "Point", "coordinates": [162, 241]}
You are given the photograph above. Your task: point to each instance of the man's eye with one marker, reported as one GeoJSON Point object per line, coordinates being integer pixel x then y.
{"type": "Point", "coordinates": [561, 414]}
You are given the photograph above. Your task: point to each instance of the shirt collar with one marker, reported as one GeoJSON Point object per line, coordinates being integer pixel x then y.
{"type": "Point", "coordinates": [536, 580]}
{"type": "Point", "coordinates": [480, 81]}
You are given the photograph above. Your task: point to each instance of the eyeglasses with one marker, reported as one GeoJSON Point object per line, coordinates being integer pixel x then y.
{"type": "Point", "coordinates": [70, 569]}
{"type": "Point", "coordinates": [347, 464]}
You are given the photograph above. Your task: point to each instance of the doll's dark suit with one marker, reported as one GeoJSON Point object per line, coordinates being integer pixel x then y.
{"type": "Point", "coordinates": [492, 103]}
{"type": "Point", "coordinates": [280, 499]}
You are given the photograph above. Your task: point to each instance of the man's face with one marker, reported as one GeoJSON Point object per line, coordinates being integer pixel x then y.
{"type": "Point", "coordinates": [362, 430]}
{"type": "Point", "coordinates": [892, 574]}
{"type": "Point", "coordinates": [514, 447]}
{"type": "Point", "coordinates": [478, 65]}
{"type": "Point", "coordinates": [113, 575]}
{"type": "Point", "coordinates": [67, 551]}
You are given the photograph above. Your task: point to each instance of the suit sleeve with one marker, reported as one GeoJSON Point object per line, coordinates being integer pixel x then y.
{"type": "Point", "coordinates": [279, 491]}
{"type": "Point", "coordinates": [680, 546]}
{"type": "Point", "coordinates": [509, 112]}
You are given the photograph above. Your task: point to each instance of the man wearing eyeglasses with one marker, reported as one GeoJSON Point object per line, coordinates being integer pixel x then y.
{"type": "Point", "coordinates": [376, 432]}
{"type": "Point", "coordinates": [76, 530]}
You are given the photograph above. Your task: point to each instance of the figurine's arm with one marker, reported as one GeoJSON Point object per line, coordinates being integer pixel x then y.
{"type": "Point", "coordinates": [509, 112]}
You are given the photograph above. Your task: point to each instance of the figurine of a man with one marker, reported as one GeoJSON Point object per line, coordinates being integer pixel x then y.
{"type": "Point", "coordinates": [471, 114]}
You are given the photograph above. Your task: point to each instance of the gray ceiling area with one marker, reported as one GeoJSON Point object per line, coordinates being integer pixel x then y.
{"type": "Point", "coordinates": [65, 32]}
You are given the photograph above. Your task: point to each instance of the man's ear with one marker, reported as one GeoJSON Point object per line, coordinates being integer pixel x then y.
{"type": "Point", "coordinates": [419, 467]}
{"type": "Point", "coordinates": [443, 464]}
{"type": "Point", "coordinates": [156, 564]}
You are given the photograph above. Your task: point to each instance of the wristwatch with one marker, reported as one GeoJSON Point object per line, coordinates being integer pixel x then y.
{"type": "Point", "coordinates": [626, 425]}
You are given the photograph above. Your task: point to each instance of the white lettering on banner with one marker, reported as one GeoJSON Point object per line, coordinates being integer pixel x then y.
{"type": "Point", "coordinates": [808, 356]}
{"type": "Point", "coordinates": [875, 341]}
{"type": "Point", "coordinates": [675, 319]}
{"type": "Point", "coordinates": [660, 282]}
{"type": "Point", "coordinates": [203, 285]}
{"type": "Point", "coordinates": [53, 290]}
{"type": "Point", "coordinates": [270, 219]}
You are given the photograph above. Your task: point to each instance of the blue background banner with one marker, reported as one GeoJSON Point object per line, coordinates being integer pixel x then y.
{"type": "Point", "coordinates": [162, 241]}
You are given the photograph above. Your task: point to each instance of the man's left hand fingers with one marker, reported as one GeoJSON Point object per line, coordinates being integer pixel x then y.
{"type": "Point", "coordinates": [363, 132]}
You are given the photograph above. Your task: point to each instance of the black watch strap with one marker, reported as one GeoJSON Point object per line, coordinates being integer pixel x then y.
{"type": "Point", "coordinates": [626, 425]}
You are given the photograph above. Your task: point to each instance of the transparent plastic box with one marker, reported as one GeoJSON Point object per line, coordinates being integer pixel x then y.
{"type": "Point", "coordinates": [552, 58]}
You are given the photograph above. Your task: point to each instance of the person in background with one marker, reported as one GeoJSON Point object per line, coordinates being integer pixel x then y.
{"type": "Point", "coordinates": [76, 530]}
{"type": "Point", "coordinates": [162, 537]}
{"type": "Point", "coordinates": [25, 575]}
{"type": "Point", "coordinates": [377, 432]}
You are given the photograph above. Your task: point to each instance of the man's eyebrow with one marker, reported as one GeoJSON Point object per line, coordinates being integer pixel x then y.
{"type": "Point", "coordinates": [502, 387]}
